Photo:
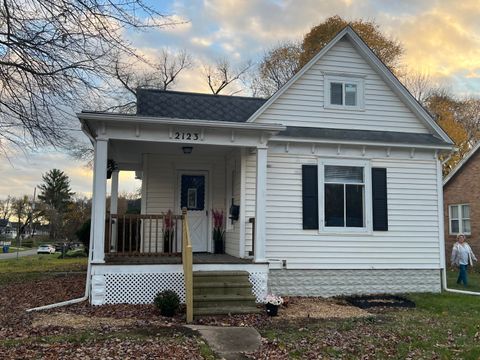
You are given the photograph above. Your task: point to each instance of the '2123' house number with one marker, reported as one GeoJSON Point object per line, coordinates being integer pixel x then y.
{"type": "Point", "coordinates": [186, 135]}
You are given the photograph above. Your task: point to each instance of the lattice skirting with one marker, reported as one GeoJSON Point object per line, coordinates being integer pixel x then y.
{"type": "Point", "coordinates": [346, 282]}
{"type": "Point", "coordinates": [117, 285]}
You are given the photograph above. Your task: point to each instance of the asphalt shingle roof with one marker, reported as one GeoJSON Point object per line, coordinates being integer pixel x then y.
{"type": "Point", "coordinates": [183, 105]}
{"type": "Point", "coordinates": [362, 135]}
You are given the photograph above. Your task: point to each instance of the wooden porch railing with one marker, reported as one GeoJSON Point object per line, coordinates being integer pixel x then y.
{"type": "Point", "coordinates": [143, 235]}
{"type": "Point", "coordinates": [187, 261]}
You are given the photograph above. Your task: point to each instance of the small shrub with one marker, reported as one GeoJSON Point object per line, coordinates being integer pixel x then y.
{"type": "Point", "coordinates": [79, 253]}
{"type": "Point", "coordinates": [167, 302]}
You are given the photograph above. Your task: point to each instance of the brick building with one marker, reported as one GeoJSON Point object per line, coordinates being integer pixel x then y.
{"type": "Point", "coordinates": [461, 194]}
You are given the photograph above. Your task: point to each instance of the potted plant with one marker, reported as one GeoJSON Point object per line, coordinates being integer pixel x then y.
{"type": "Point", "coordinates": [168, 231]}
{"type": "Point", "coordinates": [272, 302]}
{"type": "Point", "coordinates": [218, 231]}
{"type": "Point", "coordinates": [167, 302]}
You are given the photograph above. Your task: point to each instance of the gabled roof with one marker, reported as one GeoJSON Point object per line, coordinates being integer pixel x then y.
{"type": "Point", "coordinates": [459, 166]}
{"type": "Point", "coordinates": [378, 66]}
{"type": "Point", "coordinates": [185, 105]}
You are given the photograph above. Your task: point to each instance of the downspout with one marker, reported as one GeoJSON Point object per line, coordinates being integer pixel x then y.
{"type": "Point", "coordinates": [442, 232]}
{"type": "Point", "coordinates": [73, 301]}
{"type": "Point", "coordinates": [89, 266]}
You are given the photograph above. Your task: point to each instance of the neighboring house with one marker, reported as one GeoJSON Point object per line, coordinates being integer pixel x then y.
{"type": "Point", "coordinates": [8, 229]}
{"type": "Point", "coordinates": [336, 176]}
{"type": "Point", "coordinates": [5, 229]}
{"type": "Point", "coordinates": [461, 194]}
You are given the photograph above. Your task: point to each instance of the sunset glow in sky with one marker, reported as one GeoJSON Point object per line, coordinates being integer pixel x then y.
{"type": "Point", "coordinates": [440, 37]}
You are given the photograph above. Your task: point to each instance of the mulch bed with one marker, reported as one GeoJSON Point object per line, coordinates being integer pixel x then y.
{"type": "Point", "coordinates": [380, 301]}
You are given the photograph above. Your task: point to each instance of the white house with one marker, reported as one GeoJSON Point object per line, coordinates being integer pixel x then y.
{"type": "Point", "coordinates": [336, 178]}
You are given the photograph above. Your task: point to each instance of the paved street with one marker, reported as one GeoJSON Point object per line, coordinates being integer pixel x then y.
{"type": "Point", "coordinates": [21, 253]}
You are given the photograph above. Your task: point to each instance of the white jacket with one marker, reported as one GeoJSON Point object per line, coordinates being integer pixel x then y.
{"type": "Point", "coordinates": [455, 259]}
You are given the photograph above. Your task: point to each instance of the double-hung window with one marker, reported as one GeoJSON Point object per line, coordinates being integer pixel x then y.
{"type": "Point", "coordinates": [459, 216]}
{"type": "Point", "coordinates": [342, 92]}
{"type": "Point", "coordinates": [346, 196]}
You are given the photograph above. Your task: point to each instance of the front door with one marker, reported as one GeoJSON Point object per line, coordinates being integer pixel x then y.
{"type": "Point", "coordinates": [193, 196]}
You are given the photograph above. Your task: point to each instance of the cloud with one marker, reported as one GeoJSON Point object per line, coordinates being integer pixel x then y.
{"type": "Point", "coordinates": [441, 37]}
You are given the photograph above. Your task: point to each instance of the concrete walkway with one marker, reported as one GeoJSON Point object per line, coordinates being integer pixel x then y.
{"type": "Point", "coordinates": [13, 255]}
{"type": "Point", "coordinates": [229, 342]}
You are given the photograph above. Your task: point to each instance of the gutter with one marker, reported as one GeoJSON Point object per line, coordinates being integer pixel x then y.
{"type": "Point", "coordinates": [123, 118]}
{"type": "Point", "coordinates": [73, 301]}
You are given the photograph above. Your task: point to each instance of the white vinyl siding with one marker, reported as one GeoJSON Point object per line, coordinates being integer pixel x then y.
{"type": "Point", "coordinates": [232, 233]}
{"type": "Point", "coordinates": [250, 186]}
{"type": "Point", "coordinates": [411, 241]}
{"type": "Point", "coordinates": [303, 103]}
{"type": "Point", "coordinates": [160, 179]}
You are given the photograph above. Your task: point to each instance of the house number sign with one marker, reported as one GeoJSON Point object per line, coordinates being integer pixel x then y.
{"type": "Point", "coordinates": [186, 135]}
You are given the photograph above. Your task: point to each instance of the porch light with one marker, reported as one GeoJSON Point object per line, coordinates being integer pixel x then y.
{"type": "Point", "coordinates": [187, 149]}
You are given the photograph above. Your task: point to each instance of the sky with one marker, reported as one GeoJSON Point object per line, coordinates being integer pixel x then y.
{"type": "Point", "coordinates": [440, 38]}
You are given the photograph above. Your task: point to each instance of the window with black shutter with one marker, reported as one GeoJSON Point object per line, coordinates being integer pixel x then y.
{"type": "Point", "coordinates": [310, 196]}
{"type": "Point", "coordinates": [379, 199]}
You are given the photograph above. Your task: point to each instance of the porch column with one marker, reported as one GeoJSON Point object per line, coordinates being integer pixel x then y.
{"type": "Point", "coordinates": [114, 208]}
{"type": "Point", "coordinates": [260, 205]}
{"type": "Point", "coordinates": [99, 199]}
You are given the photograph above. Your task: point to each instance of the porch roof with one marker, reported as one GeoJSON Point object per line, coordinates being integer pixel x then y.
{"type": "Point", "coordinates": [187, 105]}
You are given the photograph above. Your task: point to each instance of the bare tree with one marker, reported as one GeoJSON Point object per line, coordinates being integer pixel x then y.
{"type": "Point", "coordinates": [467, 112]}
{"type": "Point", "coordinates": [161, 74]}
{"type": "Point", "coordinates": [6, 208]}
{"type": "Point", "coordinates": [57, 55]}
{"type": "Point", "coordinates": [22, 210]}
{"type": "Point", "coordinates": [420, 84]}
{"type": "Point", "coordinates": [223, 74]}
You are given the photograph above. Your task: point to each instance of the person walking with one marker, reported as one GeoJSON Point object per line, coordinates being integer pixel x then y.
{"type": "Point", "coordinates": [462, 256]}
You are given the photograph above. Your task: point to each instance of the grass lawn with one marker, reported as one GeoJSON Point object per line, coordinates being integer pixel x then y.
{"type": "Point", "coordinates": [37, 266]}
{"type": "Point", "coordinates": [473, 280]}
{"type": "Point", "coordinates": [443, 326]}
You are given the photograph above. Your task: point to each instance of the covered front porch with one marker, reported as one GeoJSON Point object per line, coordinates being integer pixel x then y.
{"type": "Point", "coordinates": [197, 165]}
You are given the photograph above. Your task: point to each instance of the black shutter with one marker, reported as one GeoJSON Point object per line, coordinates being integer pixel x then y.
{"type": "Point", "coordinates": [310, 196]}
{"type": "Point", "coordinates": [379, 198]}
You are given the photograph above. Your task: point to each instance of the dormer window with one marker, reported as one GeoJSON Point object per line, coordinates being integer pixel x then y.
{"type": "Point", "coordinates": [343, 92]}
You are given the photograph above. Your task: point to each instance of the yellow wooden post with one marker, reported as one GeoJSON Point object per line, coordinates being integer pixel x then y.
{"type": "Point", "coordinates": [187, 259]}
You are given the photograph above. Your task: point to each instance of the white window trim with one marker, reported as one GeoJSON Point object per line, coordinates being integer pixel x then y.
{"type": "Point", "coordinates": [367, 168]}
{"type": "Point", "coordinates": [460, 220]}
{"type": "Point", "coordinates": [349, 79]}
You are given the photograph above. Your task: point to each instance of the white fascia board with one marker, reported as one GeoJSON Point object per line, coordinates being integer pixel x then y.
{"type": "Point", "coordinates": [133, 119]}
{"type": "Point", "coordinates": [295, 77]}
{"type": "Point", "coordinates": [461, 163]}
{"type": "Point", "coordinates": [378, 65]}
{"type": "Point", "coordinates": [355, 142]}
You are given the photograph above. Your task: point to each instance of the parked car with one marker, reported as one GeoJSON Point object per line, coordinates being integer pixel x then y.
{"type": "Point", "coordinates": [46, 249]}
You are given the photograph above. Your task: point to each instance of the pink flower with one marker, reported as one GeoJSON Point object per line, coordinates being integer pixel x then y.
{"type": "Point", "coordinates": [168, 221]}
{"type": "Point", "coordinates": [217, 219]}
